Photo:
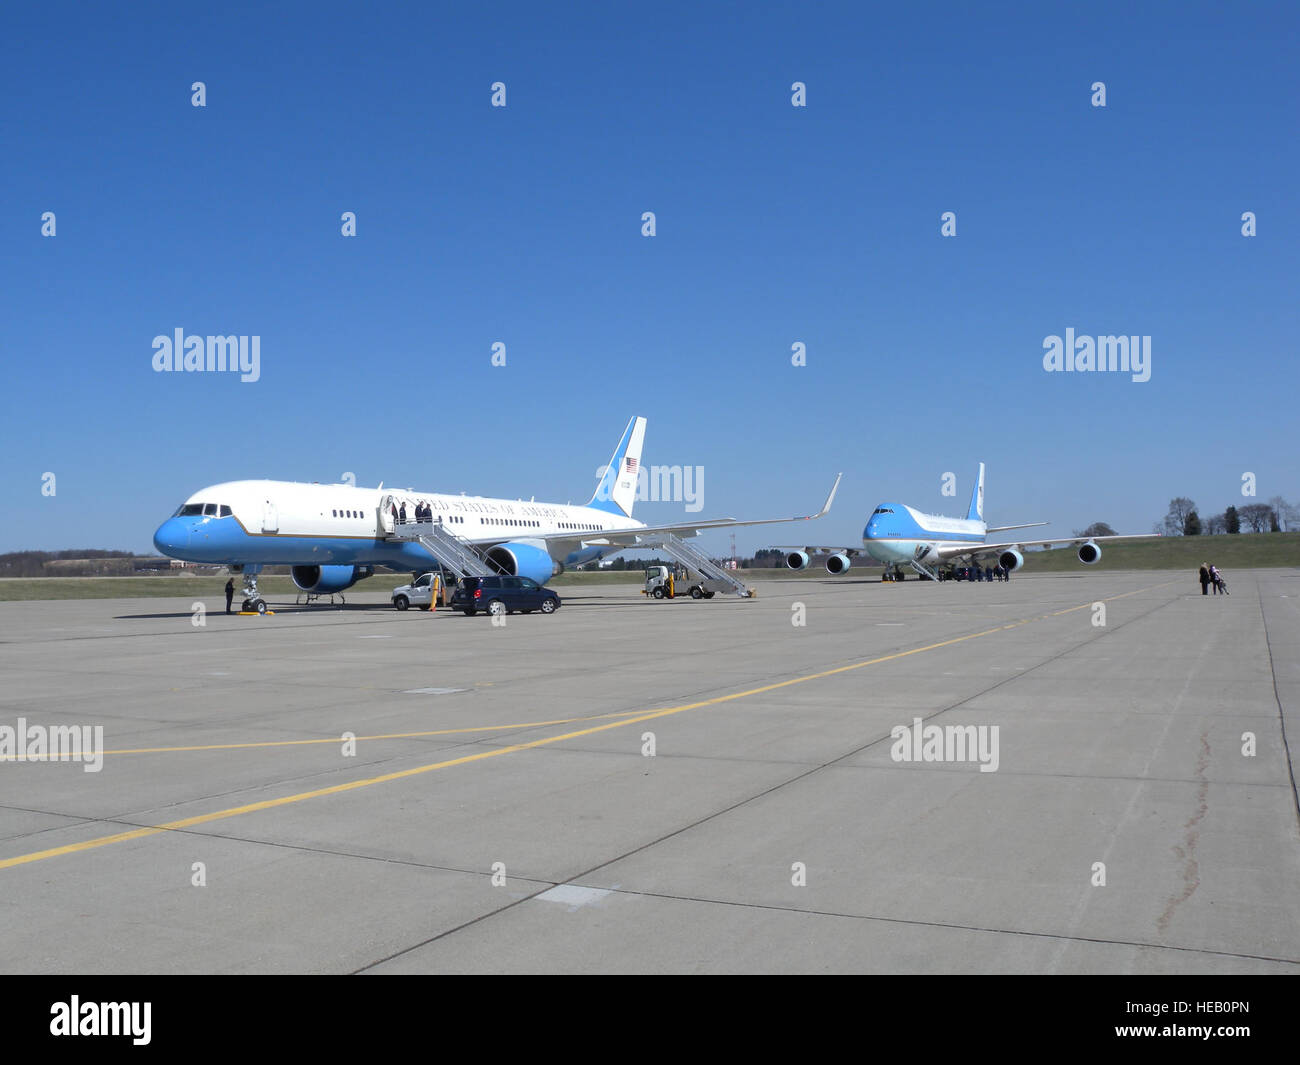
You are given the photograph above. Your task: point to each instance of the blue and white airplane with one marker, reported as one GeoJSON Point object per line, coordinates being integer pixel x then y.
{"type": "Point", "coordinates": [333, 535]}
{"type": "Point", "coordinates": [904, 538]}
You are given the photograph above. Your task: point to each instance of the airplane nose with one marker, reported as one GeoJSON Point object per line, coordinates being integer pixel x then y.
{"type": "Point", "coordinates": [172, 537]}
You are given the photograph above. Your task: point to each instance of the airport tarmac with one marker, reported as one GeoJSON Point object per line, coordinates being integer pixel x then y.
{"type": "Point", "coordinates": [502, 812]}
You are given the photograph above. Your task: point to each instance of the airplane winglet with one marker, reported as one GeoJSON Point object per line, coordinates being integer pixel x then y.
{"type": "Point", "coordinates": [829, 499]}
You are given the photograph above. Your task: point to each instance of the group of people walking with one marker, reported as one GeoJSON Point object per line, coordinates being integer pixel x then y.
{"type": "Point", "coordinates": [1210, 575]}
{"type": "Point", "coordinates": [980, 573]}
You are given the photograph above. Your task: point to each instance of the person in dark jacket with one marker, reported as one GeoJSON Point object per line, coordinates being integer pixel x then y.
{"type": "Point", "coordinates": [1204, 578]}
{"type": "Point", "coordinates": [1216, 578]}
{"type": "Point", "coordinates": [230, 593]}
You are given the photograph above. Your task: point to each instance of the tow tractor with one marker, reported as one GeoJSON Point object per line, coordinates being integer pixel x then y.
{"type": "Point", "coordinates": [661, 582]}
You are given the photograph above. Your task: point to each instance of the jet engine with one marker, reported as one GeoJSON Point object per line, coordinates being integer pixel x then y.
{"type": "Point", "coordinates": [521, 559]}
{"type": "Point", "coordinates": [1089, 554]}
{"type": "Point", "coordinates": [326, 579]}
{"type": "Point", "coordinates": [837, 563]}
{"type": "Point", "coordinates": [1011, 559]}
{"type": "Point", "coordinates": [797, 559]}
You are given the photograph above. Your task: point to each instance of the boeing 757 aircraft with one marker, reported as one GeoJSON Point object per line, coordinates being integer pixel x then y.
{"type": "Point", "coordinates": [333, 535]}
{"type": "Point", "coordinates": [904, 538]}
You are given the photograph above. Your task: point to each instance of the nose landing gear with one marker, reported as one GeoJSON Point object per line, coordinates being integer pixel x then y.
{"type": "Point", "coordinates": [253, 602]}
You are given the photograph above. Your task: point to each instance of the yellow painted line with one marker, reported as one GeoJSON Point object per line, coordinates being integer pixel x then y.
{"type": "Point", "coordinates": [1111, 599]}
{"type": "Point", "coordinates": [358, 739]}
{"type": "Point", "coordinates": [649, 715]}
{"type": "Point", "coordinates": [489, 728]}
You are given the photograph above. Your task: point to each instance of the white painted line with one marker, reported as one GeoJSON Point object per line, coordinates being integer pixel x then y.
{"type": "Point", "coordinates": [573, 896]}
{"type": "Point", "coordinates": [374, 637]}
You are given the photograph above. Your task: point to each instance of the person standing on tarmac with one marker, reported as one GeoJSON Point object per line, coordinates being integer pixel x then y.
{"type": "Point", "coordinates": [230, 593]}
{"type": "Point", "coordinates": [1204, 577]}
{"type": "Point", "coordinates": [1216, 578]}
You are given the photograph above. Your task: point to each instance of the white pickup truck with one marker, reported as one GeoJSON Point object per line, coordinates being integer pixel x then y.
{"type": "Point", "coordinates": [417, 593]}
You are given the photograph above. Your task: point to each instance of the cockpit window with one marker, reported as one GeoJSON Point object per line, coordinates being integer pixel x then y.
{"type": "Point", "coordinates": [224, 511]}
{"type": "Point", "coordinates": [881, 510]}
{"type": "Point", "coordinates": [188, 510]}
{"type": "Point", "coordinates": [210, 509]}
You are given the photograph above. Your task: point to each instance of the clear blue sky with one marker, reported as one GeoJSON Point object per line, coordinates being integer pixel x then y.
{"type": "Point", "coordinates": [775, 225]}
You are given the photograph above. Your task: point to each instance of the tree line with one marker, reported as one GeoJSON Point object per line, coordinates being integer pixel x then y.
{"type": "Point", "coordinates": [34, 563]}
{"type": "Point", "coordinates": [1183, 518]}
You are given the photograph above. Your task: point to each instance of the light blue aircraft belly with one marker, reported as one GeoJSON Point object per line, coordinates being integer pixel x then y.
{"type": "Point", "coordinates": [224, 541]}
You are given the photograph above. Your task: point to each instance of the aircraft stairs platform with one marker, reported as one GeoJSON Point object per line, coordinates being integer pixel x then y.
{"type": "Point", "coordinates": [715, 578]}
{"type": "Point", "coordinates": [451, 551]}
{"type": "Point", "coordinates": [923, 570]}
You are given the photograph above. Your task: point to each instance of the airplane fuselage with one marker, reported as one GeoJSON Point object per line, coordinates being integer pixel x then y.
{"type": "Point", "coordinates": [294, 523]}
{"type": "Point", "coordinates": [897, 534]}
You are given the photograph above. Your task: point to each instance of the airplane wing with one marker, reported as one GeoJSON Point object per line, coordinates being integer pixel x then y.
{"type": "Point", "coordinates": [631, 537]}
{"type": "Point", "coordinates": [819, 549]}
{"type": "Point", "coordinates": [974, 550]}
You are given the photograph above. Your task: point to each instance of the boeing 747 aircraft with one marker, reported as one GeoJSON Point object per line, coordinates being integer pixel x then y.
{"type": "Point", "coordinates": [904, 538]}
{"type": "Point", "coordinates": [333, 535]}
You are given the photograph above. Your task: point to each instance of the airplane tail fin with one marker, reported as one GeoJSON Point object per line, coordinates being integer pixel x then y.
{"type": "Point", "coordinates": [617, 489]}
{"type": "Point", "coordinates": [976, 510]}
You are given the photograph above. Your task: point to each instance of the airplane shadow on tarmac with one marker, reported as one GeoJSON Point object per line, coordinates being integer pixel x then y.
{"type": "Point", "coordinates": [277, 608]}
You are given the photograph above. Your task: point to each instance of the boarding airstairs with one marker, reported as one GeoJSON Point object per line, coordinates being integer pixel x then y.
{"type": "Point", "coordinates": [457, 554]}
{"type": "Point", "coordinates": [923, 570]}
{"type": "Point", "coordinates": [715, 578]}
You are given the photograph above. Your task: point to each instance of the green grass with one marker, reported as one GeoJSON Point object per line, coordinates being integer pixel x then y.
{"type": "Point", "coordinates": [204, 587]}
{"type": "Point", "coordinates": [599, 576]}
{"type": "Point", "coordinates": [1243, 551]}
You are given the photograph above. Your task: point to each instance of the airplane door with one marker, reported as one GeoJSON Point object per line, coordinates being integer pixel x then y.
{"type": "Point", "coordinates": [386, 513]}
{"type": "Point", "coordinates": [270, 518]}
